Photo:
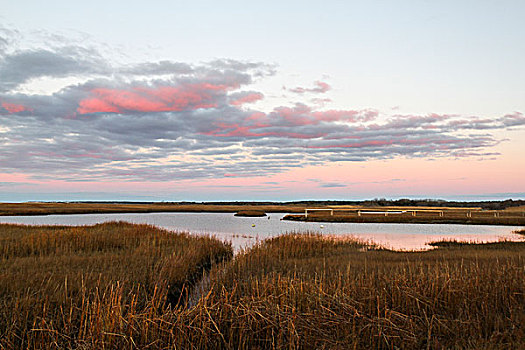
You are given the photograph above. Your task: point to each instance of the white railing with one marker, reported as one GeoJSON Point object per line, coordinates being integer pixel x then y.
{"type": "Point", "coordinates": [414, 212]}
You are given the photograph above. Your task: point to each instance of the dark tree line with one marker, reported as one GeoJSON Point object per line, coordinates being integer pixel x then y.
{"type": "Point", "coordinates": [382, 202]}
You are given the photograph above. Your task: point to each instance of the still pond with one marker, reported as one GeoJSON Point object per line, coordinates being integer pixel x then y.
{"type": "Point", "coordinates": [244, 232]}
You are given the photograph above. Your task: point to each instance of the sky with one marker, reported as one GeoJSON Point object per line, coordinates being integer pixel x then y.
{"type": "Point", "coordinates": [275, 100]}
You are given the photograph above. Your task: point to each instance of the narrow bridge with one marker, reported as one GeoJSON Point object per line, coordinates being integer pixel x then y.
{"type": "Point", "coordinates": [361, 211]}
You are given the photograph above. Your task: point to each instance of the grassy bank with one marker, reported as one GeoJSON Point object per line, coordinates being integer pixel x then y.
{"type": "Point", "coordinates": [251, 213]}
{"type": "Point", "coordinates": [514, 216]}
{"type": "Point", "coordinates": [341, 211]}
{"type": "Point", "coordinates": [310, 292]}
{"type": "Point", "coordinates": [37, 208]}
{"type": "Point", "coordinates": [503, 218]}
{"type": "Point", "coordinates": [293, 292]}
{"type": "Point", "coordinates": [75, 286]}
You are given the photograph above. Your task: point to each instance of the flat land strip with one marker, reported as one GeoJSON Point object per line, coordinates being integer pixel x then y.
{"type": "Point", "coordinates": [45, 208]}
{"type": "Point", "coordinates": [514, 216]}
{"type": "Point", "coordinates": [119, 285]}
{"type": "Point", "coordinates": [415, 215]}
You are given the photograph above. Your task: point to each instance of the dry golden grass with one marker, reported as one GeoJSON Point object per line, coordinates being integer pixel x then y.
{"type": "Point", "coordinates": [250, 213]}
{"type": "Point", "coordinates": [485, 217]}
{"type": "Point", "coordinates": [390, 207]}
{"type": "Point", "coordinates": [37, 208]}
{"type": "Point", "coordinates": [72, 285]}
{"type": "Point", "coordinates": [518, 209]}
{"type": "Point", "coordinates": [290, 292]}
{"type": "Point", "coordinates": [307, 292]}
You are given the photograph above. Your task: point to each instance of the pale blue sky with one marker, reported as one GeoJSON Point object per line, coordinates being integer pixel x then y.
{"type": "Point", "coordinates": [443, 56]}
{"type": "Point", "coordinates": [435, 74]}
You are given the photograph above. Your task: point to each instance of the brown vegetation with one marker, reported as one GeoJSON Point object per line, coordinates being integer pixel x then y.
{"type": "Point", "coordinates": [454, 214]}
{"type": "Point", "coordinates": [251, 213]}
{"type": "Point", "coordinates": [479, 217]}
{"type": "Point", "coordinates": [38, 208]}
{"type": "Point", "coordinates": [308, 292]}
{"type": "Point", "coordinates": [518, 209]}
{"type": "Point", "coordinates": [76, 285]}
{"type": "Point", "coordinates": [293, 291]}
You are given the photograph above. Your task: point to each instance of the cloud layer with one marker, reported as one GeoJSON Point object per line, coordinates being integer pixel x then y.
{"type": "Point", "coordinates": [162, 121]}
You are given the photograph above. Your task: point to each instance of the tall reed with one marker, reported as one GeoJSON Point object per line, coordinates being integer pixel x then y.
{"type": "Point", "coordinates": [63, 285]}
{"type": "Point", "coordinates": [295, 291]}
{"type": "Point", "coordinates": [309, 292]}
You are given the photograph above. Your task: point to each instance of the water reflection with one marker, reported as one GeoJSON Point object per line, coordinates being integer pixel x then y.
{"type": "Point", "coordinates": [244, 232]}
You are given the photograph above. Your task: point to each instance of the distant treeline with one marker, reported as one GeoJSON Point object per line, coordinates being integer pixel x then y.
{"type": "Point", "coordinates": [488, 205]}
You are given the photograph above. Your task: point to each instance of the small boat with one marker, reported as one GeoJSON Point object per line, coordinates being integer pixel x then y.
{"type": "Point", "coordinates": [253, 225]}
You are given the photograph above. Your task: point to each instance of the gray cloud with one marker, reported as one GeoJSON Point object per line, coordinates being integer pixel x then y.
{"type": "Point", "coordinates": [320, 88]}
{"type": "Point", "coordinates": [17, 184]}
{"type": "Point", "coordinates": [21, 66]}
{"type": "Point", "coordinates": [158, 68]}
{"type": "Point", "coordinates": [165, 120]}
{"type": "Point", "coordinates": [332, 185]}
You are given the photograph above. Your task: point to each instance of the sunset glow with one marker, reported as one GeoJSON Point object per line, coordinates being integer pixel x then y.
{"type": "Point", "coordinates": [346, 107]}
{"type": "Point", "coordinates": [12, 108]}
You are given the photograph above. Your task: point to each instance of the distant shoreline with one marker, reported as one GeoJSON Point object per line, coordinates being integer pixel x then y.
{"type": "Point", "coordinates": [499, 221]}
{"type": "Point", "coordinates": [31, 209]}
{"type": "Point", "coordinates": [446, 213]}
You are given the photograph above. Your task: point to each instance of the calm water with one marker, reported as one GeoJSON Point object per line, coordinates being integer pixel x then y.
{"type": "Point", "coordinates": [240, 232]}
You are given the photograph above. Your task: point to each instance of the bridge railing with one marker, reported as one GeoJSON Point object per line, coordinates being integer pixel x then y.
{"type": "Point", "coordinates": [414, 212]}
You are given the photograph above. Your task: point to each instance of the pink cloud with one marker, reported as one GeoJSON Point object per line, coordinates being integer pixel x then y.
{"type": "Point", "coordinates": [374, 143]}
{"type": "Point", "coordinates": [298, 115]}
{"type": "Point", "coordinates": [236, 130]}
{"type": "Point", "coordinates": [287, 118]}
{"type": "Point", "coordinates": [241, 98]}
{"type": "Point", "coordinates": [301, 115]}
{"type": "Point", "coordinates": [443, 144]}
{"type": "Point", "coordinates": [149, 99]}
{"type": "Point", "coordinates": [345, 115]}
{"type": "Point", "coordinates": [320, 88]}
{"type": "Point", "coordinates": [298, 90]}
{"type": "Point", "coordinates": [14, 108]}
